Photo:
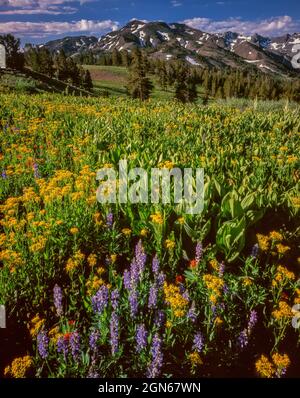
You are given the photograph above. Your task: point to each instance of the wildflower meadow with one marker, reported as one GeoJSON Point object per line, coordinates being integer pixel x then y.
{"type": "Point", "coordinates": [146, 290]}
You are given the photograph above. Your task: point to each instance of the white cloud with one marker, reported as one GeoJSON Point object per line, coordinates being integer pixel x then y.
{"type": "Point", "coordinates": [44, 29]}
{"type": "Point", "coordinates": [272, 26]}
{"type": "Point", "coordinates": [176, 3]}
{"type": "Point", "coordinates": [53, 7]}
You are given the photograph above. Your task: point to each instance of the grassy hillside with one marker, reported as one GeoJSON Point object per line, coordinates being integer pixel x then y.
{"type": "Point", "coordinates": [113, 80]}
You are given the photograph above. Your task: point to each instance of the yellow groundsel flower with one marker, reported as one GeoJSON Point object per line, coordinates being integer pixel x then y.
{"type": "Point", "coordinates": [247, 282]}
{"type": "Point", "coordinates": [157, 218]}
{"type": "Point", "coordinates": [169, 324]}
{"type": "Point", "coordinates": [181, 220]}
{"type": "Point", "coordinates": [195, 359]}
{"type": "Point", "coordinates": [214, 264]}
{"type": "Point", "coordinates": [283, 311]}
{"type": "Point", "coordinates": [274, 235]}
{"type": "Point", "coordinates": [170, 244]}
{"type": "Point", "coordinates": [283, 273]}
{"type": "Point", "coordinates": [282, 249]}
{"type": "Point", "coordinates": [263, 242]}
{"type": "Point", "coordinates": [113, 258]}
{"type": "Point", "coordinates": [176, 301]}
{"type": "Point", "coordinates": [74, 230]}
{"type": "Point", "coordinates": [36, 325]}
{"type": "Point", "coordinates": [264, 367]}
{"type": "Point", "coordinates": [126, 231]}
{"type": "Point", "coordinates": [92, 260]}
{"type": "Point", "coordinates": [218, 321]}
{"type": "Point", "coordinates": [281, 361]}
{"type": "Point", "coordinates": [97, 218]}
{"type": "Point", "coordinates": [19, 367]}
{"type": "Point", "coordinates": [144, 232]}
{"type": "Point", "coordinates": [166, 165]}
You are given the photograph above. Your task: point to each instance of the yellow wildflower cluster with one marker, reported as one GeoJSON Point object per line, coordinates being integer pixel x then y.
{"type": "Point", "coordinates": [157, 218]}
{"type": "Point", "coordinates": [195, 359]}
{"type": "Point", "coordinates": [94, 284]}
{"type": "Point", "coordinates": [215, 284]}
{"type": "Point", "coordinates": [54, 335]}
{"type": "Point", "coordinates": [282, 249]}
{"type": "Point", "coordinates": [176, 301]}
{"type": "Point", "coordinates": [36, 325]}
{"type": "Point", "coordinates": [170, 244]}
{"type": "Point", "coordinates": [283, 311]}
{"type": "Point", "coordinates": [264, 367]}
{"type": "Point", "coordinates": [267, 242]}
{"type": "Point", "coordinates": [282, 275]}
{"type": "Point", "coordinates": [92, 260]}
{"type": "Point", "coordinates": [126, 231]}
{"type": "Point", "coordinates": [19, 367]}
{"type": "Point", "coordinates": [97, 218]}
{"type": "Point", "coordinates": [297, 298]}
{"type": "Point", "coordinates": [38, 244]}
{"type": "Point", "coordinates": [263, 242]}
{"type": "Point", "coordinates": [166, 165]}
{"type": "Point", "coordinates": [281, 361]}
{"type": "Point", "coordinates": [268, 369]}
{"type": "Point", "coordinates": [75, 261]}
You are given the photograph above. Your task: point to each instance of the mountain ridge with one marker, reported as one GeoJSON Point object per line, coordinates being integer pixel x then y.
{"type": "Point", "coordinates": [180, 41]}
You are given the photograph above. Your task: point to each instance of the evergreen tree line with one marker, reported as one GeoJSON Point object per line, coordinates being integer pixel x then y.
{"type": "Point", "coordinates": [58, 65]}
{"type": "Point", "coordinates": [114, 58]}
{"type": "Point", "coordinates": [247, 84]}
{"type": "Point", "coordinates": [177, 75]}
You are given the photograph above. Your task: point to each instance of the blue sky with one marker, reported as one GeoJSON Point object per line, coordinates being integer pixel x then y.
{"type": "Point", "coordinates": [42, 20]}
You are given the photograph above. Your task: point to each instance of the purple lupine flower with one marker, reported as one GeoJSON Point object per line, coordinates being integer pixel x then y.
{"type": "Point", "coordinates": [214, 310]}
{"type": "Point", "coordinates": [133, 301]}
{"type": "Point", "coordinates": [93, 374]}
{"type": "Point", "coordinates": [109, 220]}
{"type": "Point", "coordinates": [75, 345]}
{"type": "Point", "coordinates": [140, 257]}
{"type": "Point", "coordinates": [36, 170]}
{"type": "Point", "coordinates": [252, 321]}
{"type": "Point", "coordinates": [134, 274]}
{"type": "Point", "coordinates": [243, 339]}
{"type": "Point", "coordinates": [157, 357]}
{"type": "Point", "coordinates": [159, 319]}
{"type": "Point", "coordinates": [225, 289]}
{"type": "Point", "coordinates": [198, 342]}
{"type": "Point", "coordinates": [155, 265]}
{"type": "Point", "coordinates": [199, 252]}
{"type": "Point", "coordinates": [185, 295]}
{"type": "Point", "coordinates": [115, 295]}
{"type": "Point", "coordinates": [221, 270]}
{"type": "Point", "coordinates": [281, 373]}
{"type": "Point", "coordinates": [152, 302]}
{"type": "Point", "coordinates": [57, 298]}
{"type": "Point", "coordinates": [93, 339]}
{"type": "Point", "coordinates": [141, 337]}
{"type": "Point", "coordinates": [100, 300]}
{"type": "Point", "coordinates": [42, 344]}
{"type": "Point", "coordinates": [192, 313]}
{"type": "Point", "coordinates": [254, 251]}
{"type": "Point", "coordinates": [114, 333]}
{"type": "Point", "coordinates": [127, 279]}
{"type": "Point", "coordinates": [161, 280]}
{"type": "Point", "coordinates": [62, 345]}
{"type": "Point", "coordinates": [4, 175]}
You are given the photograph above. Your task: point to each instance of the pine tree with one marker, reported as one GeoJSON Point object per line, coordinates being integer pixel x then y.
{"type": "Point", "coordinates": [14, 58]}
{"type": "Point", "coordinates": [87, 81]}
{"type": "Point", "coordinates": [139, 85]}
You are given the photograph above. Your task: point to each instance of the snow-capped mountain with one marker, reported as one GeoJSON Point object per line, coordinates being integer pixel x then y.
{"type": "Point", "coordinates": [179, 41]}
